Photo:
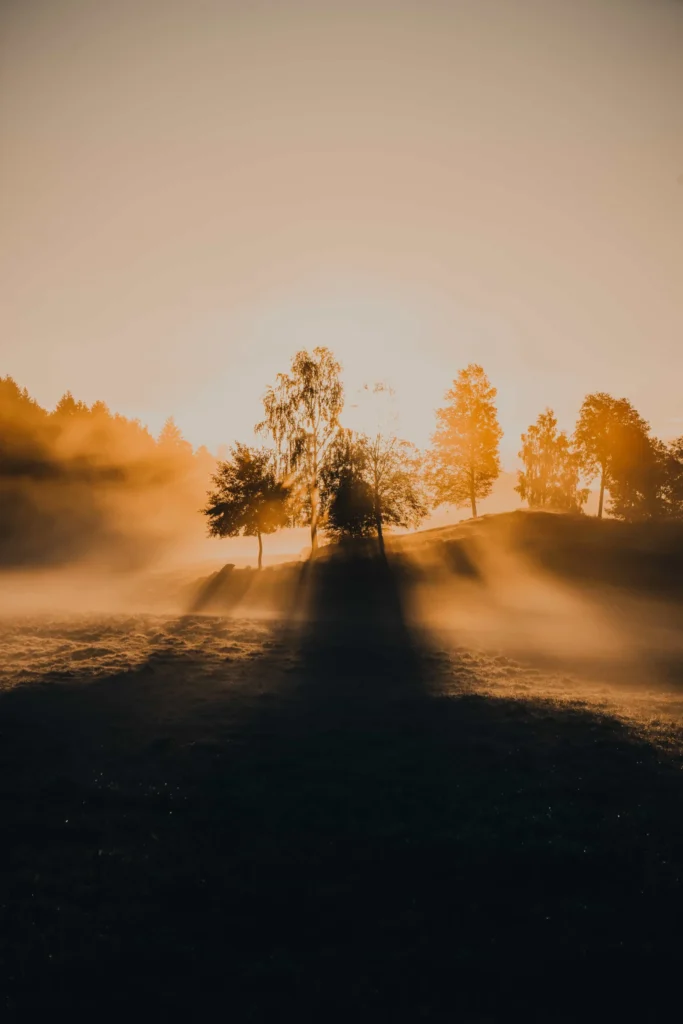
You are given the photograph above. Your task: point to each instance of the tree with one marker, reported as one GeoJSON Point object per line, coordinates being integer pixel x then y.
{"type": "Point", "coordinates": [82, 480]}
{"type": "Point", "coordinates": [248, 498]}
{"type": "Point", "coordinates": [302, 413]}
{"type": "Point", "coordinates": [68, 406]}
{"type": "Point", "coordinates": [465, 462]}
{"type": "Point", "coordinates": [606, 430]}
{"type": "Point", "coordinates": [13, 397]}
{"type": "Point", "coordinates": [100, 410]}
{"type": "Point", "coordinates": [346, 495]}
{"type": "Point", "coordinates": [394, 475]}
{"type": "Point", "coordinates": [371, 483]}
{"type": "Point", "coordinates": [171, 438]}
{"type": "Point", "coordinates": [550, 478]}
{"type": "Point", "coordinates": [673, 487]}
{"type": "Point", "coordinates": [642, 477]}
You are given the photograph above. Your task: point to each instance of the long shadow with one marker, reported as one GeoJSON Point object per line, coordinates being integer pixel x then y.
{"type": "Point", "coordinates": [346, 845]}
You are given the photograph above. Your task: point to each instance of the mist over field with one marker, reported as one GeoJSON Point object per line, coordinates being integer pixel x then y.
{"type": "Point", "coordinates": [341, 511]}
{"type": "Point", "coordinates": [82, 485]}
{"type": "Point", "coordinates": [196, 756]}
{"type": "Point", "coordinates": [490, 717]}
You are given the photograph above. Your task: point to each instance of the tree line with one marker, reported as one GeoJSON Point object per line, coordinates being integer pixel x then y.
{"type": "Point", "coordinates": [80, 481]}
{"type": "Point", "coordinates": [319, 473]}
{"type": "Point", "coordinates": [80, 477]}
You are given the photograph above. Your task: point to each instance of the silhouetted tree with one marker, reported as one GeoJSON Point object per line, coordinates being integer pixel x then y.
{"type": "Point", "coordinates": [68, 406]}
{"type": "Point", "coordinates": [83, 480]}
{"type": "Point", "coordinates": [302, 416]}
{"type": "Point", "coordinates": [206, 462]}
{"type": "Point", "coordinates": [372, 483]}
{"type": "Point", "coordinates": [170, 437]}
{"type": "Point", "coordinates": [248, 498]}
{"type": "Point", "coordinates": [673, 486]}
{"type": "Point", "coordinates": [606, 430]}
{"type": "Point", "coordinates": [12, 397]}
{"type": "Point", "coordinates": [550, 478]}
{"type": "Point", "coordinates": [464, 461]}
{"type": "Point", "coordinates": [346, 496]}
{"type": "Point", "coordinates": [395, 476]}
{"type": "Point", "coordinates": [641, 475]}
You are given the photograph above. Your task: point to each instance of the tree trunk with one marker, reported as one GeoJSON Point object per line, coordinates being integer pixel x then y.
{"type": "Point", "coordinates": [260, 550]}
{"type": "Point", "coordinates": [602, 492]}
{"type": "Point", "coordinates": [380, 534]}
{"type": "Point", "coordinates": [315, 502]}
{"type": "Point", "coordinates": [473, 497]}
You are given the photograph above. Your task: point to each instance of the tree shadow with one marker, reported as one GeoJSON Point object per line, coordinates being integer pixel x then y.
{"type": "Point", "coordinates": [210, 589]}
{"type": "Point", "coordinates": [333, 838]}
{"type": "Point", "coordinates": [230, 590]}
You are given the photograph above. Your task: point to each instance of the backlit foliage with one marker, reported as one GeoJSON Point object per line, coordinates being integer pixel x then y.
{"type": "Point", "coordinates": [302, 412]}
{"type": "Point", "coordinates": [464, 462]}
{"type": "Point", "coordinates": [248, 498]}
{"type": "Point", "coordinates": [550, 478]}
{"type": "Point", "coordinates": [82, 482]}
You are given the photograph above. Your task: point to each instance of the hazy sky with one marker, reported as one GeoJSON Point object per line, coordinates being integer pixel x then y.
{"type": "Point", "coordinates": [190, 191]}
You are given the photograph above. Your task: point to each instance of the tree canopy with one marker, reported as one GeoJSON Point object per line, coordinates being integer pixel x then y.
{"type": "Point", "coordinates": [464, 462]}
{"type": "Point", "coordinates": [248, 498]}
{"type": "Point", "coordinates": [550, 478]}
{"type": "Point", "coordinates": [80, 481]}
{"type": "Point", "coordinates": [607, 431]}
{"type": "Point", "coordinates": [672, 491]}
{"type": "Point", "coordinates": [394, 473]}
{"type": "Point", "coordinates": [372, 483]}
{"type": "Point", "coordinates": [641, 480]}
{"type": "Point", "coordinates": [302, 412]}
{"type": "Point", "coordinates": [346, 496]}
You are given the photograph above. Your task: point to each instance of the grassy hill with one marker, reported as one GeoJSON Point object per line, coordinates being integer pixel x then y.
{"type": "Point", "coordinates": [583, 548]}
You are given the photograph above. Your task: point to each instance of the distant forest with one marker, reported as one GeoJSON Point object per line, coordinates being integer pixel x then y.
{"type": "Point", "coordinates": [81, 481]}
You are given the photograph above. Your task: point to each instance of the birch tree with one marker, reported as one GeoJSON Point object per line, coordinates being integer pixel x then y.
{"type": "Point", "coordinates": [302, 412]}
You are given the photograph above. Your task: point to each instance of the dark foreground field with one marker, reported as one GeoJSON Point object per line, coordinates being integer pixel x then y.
{"type": "Point", "coordinates": [330, 815]}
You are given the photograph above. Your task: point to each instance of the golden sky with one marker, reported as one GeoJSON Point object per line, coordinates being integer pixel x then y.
{"type": "Point", "coordinates": [190, 191]}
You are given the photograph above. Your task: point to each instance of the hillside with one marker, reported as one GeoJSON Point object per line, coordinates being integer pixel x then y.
{"type": "Point", "coordinates": [579, 547]}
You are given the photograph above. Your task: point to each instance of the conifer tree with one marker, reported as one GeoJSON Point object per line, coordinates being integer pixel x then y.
{"type": "Point", "coordinates": [464, 462]}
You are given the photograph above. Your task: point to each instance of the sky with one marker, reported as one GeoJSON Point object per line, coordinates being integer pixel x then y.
{"type": "Point", "coordinates": [192, 191]}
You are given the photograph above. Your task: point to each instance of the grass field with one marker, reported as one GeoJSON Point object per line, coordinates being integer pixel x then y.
{"type": "Point", "coordinates": [446, 787]}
